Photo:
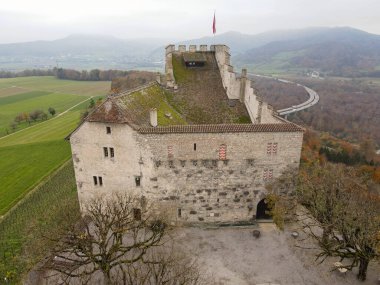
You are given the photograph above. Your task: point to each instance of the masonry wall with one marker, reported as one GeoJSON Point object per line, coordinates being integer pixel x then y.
{"type": "Point", "coordinates": [236, 87]}
{"type": "Point", "coordinates": [193, 183]}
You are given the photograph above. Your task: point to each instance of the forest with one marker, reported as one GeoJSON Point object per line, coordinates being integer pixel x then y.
{"type": "Point", "coordinates": [348, 108]}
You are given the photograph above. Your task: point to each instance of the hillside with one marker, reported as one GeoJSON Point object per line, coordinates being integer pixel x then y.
{"type": "Point", "coordinates": [336, 51]}
{"type": "Point", "coordinates": [333, 51]}
{"type": "Point", "coordinates": [81, 51]}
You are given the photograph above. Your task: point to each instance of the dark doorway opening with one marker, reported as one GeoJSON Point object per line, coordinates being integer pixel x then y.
{"type": "Point", "coordinates": [263, 210]}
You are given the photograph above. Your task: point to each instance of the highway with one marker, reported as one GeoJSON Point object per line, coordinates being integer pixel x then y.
{"type": "Point", "coordinates": [313, 97]}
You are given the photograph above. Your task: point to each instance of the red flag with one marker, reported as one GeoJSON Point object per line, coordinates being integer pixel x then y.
{"type": "Point", "coordinates": [214, 25]}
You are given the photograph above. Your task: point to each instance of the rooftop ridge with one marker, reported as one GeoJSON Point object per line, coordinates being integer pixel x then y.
{"type": "Point", "coordinates": [221, 128]}
{"type": "Point", "coordinates": [136, 89]}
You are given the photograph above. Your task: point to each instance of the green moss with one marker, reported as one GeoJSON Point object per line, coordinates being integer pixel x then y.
{"type": "Point", "coordinates": [243, 120]}
{"type": "Point", "coordinates": [181, 73]}
{"type": "Point", "coordinates": [154, 97]}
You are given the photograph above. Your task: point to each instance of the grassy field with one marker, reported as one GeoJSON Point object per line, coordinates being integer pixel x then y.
{"type": "Point", "coordinates": [26, 94]}
{"type": "Point", "coordinates": [43, 213]}
{"type": "Point", "coordinates": [28, 156]}
{"type": "Point", "coordinates": [51, 84]}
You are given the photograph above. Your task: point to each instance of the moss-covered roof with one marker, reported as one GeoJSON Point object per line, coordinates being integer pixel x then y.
{"type": "Point", "coordinates": [200, 99]}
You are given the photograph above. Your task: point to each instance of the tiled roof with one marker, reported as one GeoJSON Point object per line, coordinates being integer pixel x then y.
{"type": "Point", "coordinates": [222, 128]}
{"type": "Point", "coordinates": [108, 112]}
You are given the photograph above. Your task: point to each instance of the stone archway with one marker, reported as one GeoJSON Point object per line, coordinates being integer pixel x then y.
{"type": "Point", "coordinates": [262, 210]}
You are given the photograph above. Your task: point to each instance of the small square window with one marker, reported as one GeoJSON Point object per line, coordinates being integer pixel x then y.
{"type": "Point", "coordinates": [108, 130]}
{"type": "Point", "coordinates": [112, 152]}
{"type": "Point", "coordinates": [105, 150]}
{"type": "Point", "coordinates": [95, 180]}
{"type": "Point", "coordinates": [138, 181]}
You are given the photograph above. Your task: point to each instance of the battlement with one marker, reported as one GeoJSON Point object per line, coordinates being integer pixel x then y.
{"type": "Point", "coordinates": [196, 48]}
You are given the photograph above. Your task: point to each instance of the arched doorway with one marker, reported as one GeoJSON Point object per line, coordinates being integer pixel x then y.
{"type": "Point", "coordinates": [262, 211]}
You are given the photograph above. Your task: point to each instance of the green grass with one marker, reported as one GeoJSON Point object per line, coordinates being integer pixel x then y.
{"type": "Point", "coordinates": [28, 158]}
{"type": "Point", "coordinates": [181, 73]}
{"type": "Point", "coordinates": [27, 102]}
{"type": "Point", "coordinates": [9, 91]}
{"type": "Point", "coordinates": [55, 129]}
{"type": "Point", "coordinates": [33, 153]}
{"type": "Point", "coordinates": [26, 94]}
{"type": "Point", "coordinates": [45, 212]}
{"type": "Point", "coordinates": [51, 84]}
{"type": "Point", "coordinates": [23, 166]}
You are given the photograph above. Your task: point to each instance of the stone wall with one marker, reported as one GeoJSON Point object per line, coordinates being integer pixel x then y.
{"type": "Point", "coordinates": [236, 87]}
{"type": "Point", "coordinates": [191, 180]}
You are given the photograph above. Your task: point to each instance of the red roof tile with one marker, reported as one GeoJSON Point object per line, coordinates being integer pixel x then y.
{"type": "Point", "coordinates": [222, 128]}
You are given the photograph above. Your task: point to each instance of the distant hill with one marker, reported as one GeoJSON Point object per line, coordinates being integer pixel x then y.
{"type": "Point", "coordinates": [82, 51]}
{"type": "Point", "coordinates": [334, 51]}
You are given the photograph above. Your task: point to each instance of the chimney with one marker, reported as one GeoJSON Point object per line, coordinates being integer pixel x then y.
{"type": "Point", "coordinates": [153, 117]}
{"type": "Point", "coordinates": [244, 72]}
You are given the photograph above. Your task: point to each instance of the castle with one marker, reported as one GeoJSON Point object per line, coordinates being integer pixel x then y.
{"type": "Point", "coordinates": [198, 141]}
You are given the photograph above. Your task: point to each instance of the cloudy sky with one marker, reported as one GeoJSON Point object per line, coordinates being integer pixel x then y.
{"type": "Point", "coordinates": [26, 20]}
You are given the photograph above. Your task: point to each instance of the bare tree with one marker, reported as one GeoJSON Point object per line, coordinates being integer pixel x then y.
{"type": "Point", "coordinates": [125, 242]}
{"type": "Point", "coordinates": [344, 216]}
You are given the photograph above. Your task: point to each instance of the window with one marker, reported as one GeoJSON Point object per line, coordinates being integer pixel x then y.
{"type": "Point", "coordinates": [170, 151]}
{"type": "Point", "coordinates": [269, 148]}
{"type": "Point", "coordinates": [195, 146]}
{"type": "Point", "coordinates": [179, 212]}
{"type": "Point", "coordinates": [267, 174]}
{"type": "Point", "coordinates": [109, 152]}
{"type": "Point", "coordinates": [98, 180]}
{"type": "Point", "coordinates": [223, 152]}
{"type": "Point", "coordinates": [270, 174]}
{"type": "Point", "coordinates": [137, 214]}
{"type": "Point", "coordinates": [108, 130]}
{"type": "Point", "coordinates": [272, 148]}
{"type": "Point", "coordinates": [138, 181]}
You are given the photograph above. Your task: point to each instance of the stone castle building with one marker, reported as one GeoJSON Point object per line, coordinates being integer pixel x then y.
{"type": "Point", "coordinates": [198, 141]}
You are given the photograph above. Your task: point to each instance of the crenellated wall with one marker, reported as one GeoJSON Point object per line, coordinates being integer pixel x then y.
{"type": "Point", "coordinates": [237, 87]}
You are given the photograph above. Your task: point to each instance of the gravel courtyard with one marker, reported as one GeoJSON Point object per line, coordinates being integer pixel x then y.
{"type": "Point", "coordinates": [233, 256]}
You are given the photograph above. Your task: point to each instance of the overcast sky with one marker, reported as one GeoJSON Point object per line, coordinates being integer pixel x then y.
{"type": "Point", "coordinates": [26, 20]}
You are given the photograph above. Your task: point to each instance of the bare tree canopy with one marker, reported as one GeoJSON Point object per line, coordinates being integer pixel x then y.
{"type": "Point", "coordinates": [346, 214]}
{"type": "Point", "coordinates": [120, 241]}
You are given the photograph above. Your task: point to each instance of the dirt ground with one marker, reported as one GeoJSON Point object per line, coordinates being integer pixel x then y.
{"type": "Point", "coordinates": [234, 256]}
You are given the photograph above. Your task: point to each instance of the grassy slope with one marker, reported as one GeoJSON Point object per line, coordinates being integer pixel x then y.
{"type": "Point", "coordinates": [24, 165]}
{"type": "Point", "coordinates": [27, 102]}
{"type": "Point", "coordinates": [56, 129]}
{"type": "Point", "coordinates": [43, 213]}
{"type": "Point", "coordinates": [31, 154]}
